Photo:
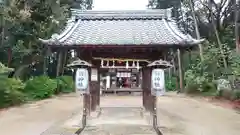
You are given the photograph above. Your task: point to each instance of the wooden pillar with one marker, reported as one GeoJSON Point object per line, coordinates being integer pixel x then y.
{"type": "Point", "coordinates": [154, 110]}
{"type": "Point", "coordinates": [143, 88]}
{"type": "Point", "coordinates": [87, 103]}
{"type": "Point", "coordinates": [47, 60]}
{"type": "Point", "coordinates": [146, 82]}
{"type": "Point", "coordinates": [137, 79]}
{"type": "Point", "coordinates": [180, 70]}
{"type": "Point", "coordinates": [98, 89]}
{"type": "Point", "coordinates": [94, 88]}
{"type": "Point", "coordinates": [149, 95]}
{"type": "Point", "coordinates": [64, 61]}
{"type": "Point", "coordinates": [59, 63]}
{"type": "Point", "coordinates": [87, 97]}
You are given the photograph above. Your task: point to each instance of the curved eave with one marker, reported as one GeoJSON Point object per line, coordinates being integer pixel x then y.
{"type": "Point", "coordinates": [56, 42]}
{"type": "Point", "coordinates": [49, 42]}
{"type": "Point", "coordinates": [44, 41]}
{"type": "Point", "coordinates": [196, 42]}
{"type": "Point", "coordinates": [179, 36]}
{"type": "Point", "coordinates": [183, 45]}
{"type": "Point", "coordinates": [69, 28]}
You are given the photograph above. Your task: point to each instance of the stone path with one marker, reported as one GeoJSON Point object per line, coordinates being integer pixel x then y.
{"type": "Point", "coordinates": [119, 121]}
{"type": "Point", "coordinates": [177, 115]}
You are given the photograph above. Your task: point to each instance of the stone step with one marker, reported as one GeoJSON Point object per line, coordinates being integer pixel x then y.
{"type": "Point", "coordinates": [111, 121]}
{"type": "Point", "coordinates": [119, 129]}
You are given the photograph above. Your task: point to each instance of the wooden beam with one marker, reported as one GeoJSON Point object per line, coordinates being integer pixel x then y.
{"type": "Point", "coordinates": [120, 59]}
{"type": "Point", "coordinates": [117, 67]}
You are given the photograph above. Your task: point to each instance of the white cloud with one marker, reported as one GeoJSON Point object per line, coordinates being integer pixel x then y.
{"type": "Point", "coordinates": [119, 4]}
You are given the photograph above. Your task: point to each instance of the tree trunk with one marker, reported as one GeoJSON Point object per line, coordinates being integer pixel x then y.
{"type": "Point", "coordinates": [196, 28]}
{"type": "Point", "coordinates": [236, 12]}
{"type": "Point", "coordinates": [9, 57]}
{"type": "Point", "coordinates": [217, 36]}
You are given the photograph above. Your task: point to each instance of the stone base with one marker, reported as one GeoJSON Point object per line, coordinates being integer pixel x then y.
{"type": "Point", "coordinates": [95, 114]}
{"type": "Point", "coordinates": [148, 117]}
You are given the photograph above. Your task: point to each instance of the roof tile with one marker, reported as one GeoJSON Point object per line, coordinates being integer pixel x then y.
{"type": "Point", "coordinates": [114, 28]}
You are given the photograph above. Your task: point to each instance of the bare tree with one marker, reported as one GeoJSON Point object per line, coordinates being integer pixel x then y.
{"type": "Point", "coordinates": [191, 4]}
{"type": "Point", "coordinates": [236, 12]}
{"type": "Point", "coordinates": [217, 34]}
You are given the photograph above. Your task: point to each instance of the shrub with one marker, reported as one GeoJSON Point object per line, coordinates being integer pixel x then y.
{"type": "Point", "coordinates": [40, 87]}
{"type": "Point", "coordinates": [192, 89]}
{"type": "Point", "coordinates": [5, 70]}
{"type": "Point", "coordinates": [226, 94]}
{"type": "Point", "coordinates": [236, 95]}
{"type": "Point", "coordinates": [209, 89]}
{"type": "Point", "coordinates": [11, 92]}
{"type": "Point", "coordinates": [66, 84]}
{"type": "Point", "coordinates": [170, 83]}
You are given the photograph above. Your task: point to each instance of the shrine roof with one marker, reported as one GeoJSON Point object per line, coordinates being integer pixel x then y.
{"type": "Point", "coordinates": [143, 27]}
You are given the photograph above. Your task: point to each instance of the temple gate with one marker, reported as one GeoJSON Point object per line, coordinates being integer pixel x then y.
{"type": "Point", "coordinates": [120, 41]}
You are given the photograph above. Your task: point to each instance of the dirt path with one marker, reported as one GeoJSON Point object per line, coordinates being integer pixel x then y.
{"type": "Point", "coordinates": [33, 119]}
{"type": "Point", "coordinates": [187, 116]}
{"type": "Point", "coordinates": [178, 115]}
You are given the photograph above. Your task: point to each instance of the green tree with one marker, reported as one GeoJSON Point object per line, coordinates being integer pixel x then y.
{"type": "Point", "coordinates": [28, 20]}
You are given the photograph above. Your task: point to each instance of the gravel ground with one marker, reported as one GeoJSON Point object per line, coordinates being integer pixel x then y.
{"type": "Point", "coordinates": [177, 115]}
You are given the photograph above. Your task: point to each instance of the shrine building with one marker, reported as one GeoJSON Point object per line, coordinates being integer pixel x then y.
{"type": "Point", "coordinates": [120, 43]}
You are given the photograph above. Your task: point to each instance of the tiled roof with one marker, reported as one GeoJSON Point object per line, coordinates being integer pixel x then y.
{"type": "Point", "coordinates": [121, 28]}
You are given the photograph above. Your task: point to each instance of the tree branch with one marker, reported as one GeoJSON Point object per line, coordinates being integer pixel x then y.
{"type": "Point", "coordinates": [208, 8]}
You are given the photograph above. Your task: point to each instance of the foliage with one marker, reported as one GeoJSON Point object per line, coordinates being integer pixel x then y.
{"type": "Point", "coordinates": [40, 87]}
{"type": "Point", "coordinates": [11, 92]}
{"type": "Point", "coordinates": [235, 63]}
{"type": "Point", "coordinates": [14, 92]}
{"type": "Point", "coordinates": [4, 69]}
{"type": "Point", "coordinates": [201, 74]}
{"type": "Point", "coordinates": [24, 22]}
{"type": "Point", "coordinates": [236, 95]}
{"type": "Point", "coordinates": [205, 73]}
{"type": "Point", "coordinates": [170, 83]}
{"type": "Point", "coordinates": [66, 84]}
{"type": "Point", "coordinates": [11, 88]}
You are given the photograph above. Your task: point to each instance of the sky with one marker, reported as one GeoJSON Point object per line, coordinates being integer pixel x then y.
{"type": "Point", "coordinates": [119, 4]}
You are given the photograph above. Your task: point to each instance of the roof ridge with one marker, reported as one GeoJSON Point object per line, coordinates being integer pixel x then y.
{"type": "Point", "coordinates": [121, 11]}
{"type": "Point", "coordinates": [111, 14]}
